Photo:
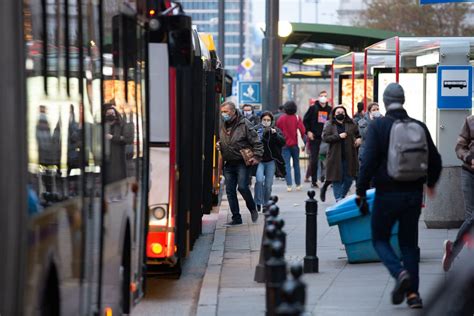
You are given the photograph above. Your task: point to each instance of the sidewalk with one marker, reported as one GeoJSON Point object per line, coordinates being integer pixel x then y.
{"type": "Point", "coordinates": [339, 289]}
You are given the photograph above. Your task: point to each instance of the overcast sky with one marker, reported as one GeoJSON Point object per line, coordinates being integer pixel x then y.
{"type": "Point", "coordinates": [290, 11]}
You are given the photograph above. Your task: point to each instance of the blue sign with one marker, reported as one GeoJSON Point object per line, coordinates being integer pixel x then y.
{"type": "Point", "coordinates": [249, 92]}
{"type": "Point", "coordinates": [454, 87]}
{"type": "Point", "coordinates": [442, 1]}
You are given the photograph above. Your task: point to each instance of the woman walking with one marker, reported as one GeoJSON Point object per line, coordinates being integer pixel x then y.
{"type": "Point", "coordinates": [272, 140]}
{"type": "Point", "coordinates": [290, 123]}
{"type": "Point", "coordinates": [342, 135]}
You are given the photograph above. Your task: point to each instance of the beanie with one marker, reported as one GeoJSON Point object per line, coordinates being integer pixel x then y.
{"type": "Point", "coordinates": [393, 94]}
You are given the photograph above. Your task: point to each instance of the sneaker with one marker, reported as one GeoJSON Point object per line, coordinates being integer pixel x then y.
{"type": "Point", "coordinates": [289, 189]}
{"type": "Point", "coordinates": [254, 215]}
{"type": "Point", "coordinates": [322, 194]}
{"type": "Point", "coordinates": [234, 223]}
{"type": "Point", "coordinates": [401, 287]}
{"type": "Point", "coordinates": [448, 253]}
{"type": "Point", "coordinates": [259, 208]}
{"type": "Point", "coordinates": [299, 187]}
{"type": "Point", "coordinates": [315, 185]}
{"type": "Point", "coordinates": [414, 301]}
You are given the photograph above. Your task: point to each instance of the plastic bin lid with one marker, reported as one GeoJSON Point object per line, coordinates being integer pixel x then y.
{"type": "Point", "coordinates": [347, 208]}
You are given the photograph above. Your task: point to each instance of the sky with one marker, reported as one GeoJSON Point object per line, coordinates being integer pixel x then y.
{"type": "Point", "coordinates": [290, 11]}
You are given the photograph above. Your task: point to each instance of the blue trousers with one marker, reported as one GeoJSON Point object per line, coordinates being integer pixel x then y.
{"type": "Point", "coordinates": [289, 153]}
{"type": "Point", "coordinates": [263, 186]}
{"type": "Point", "coordinates": [237, 179]}
{"type": "Point", "coordinates": [341, 187]}
{"type": "Point", "coordinates": [404, 207]}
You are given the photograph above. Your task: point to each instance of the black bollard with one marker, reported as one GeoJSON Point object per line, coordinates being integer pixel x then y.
{"type": "Point", "coordinates": [259, 275]}
{"type": "Point", "coordinates": [311, 261]}
{"type": "Point", "coordinates": [275, 275]}
{"type": "Point", "coordinates": [288, 306]}
{"type": "Point", "coordinates": [280, 234]}
{"type": "Point", "coordinates": [267, 239]}
{"type": "Point", "coordinates": [296, 271]}
{"type": "Point", "coordinates": [293, 294]}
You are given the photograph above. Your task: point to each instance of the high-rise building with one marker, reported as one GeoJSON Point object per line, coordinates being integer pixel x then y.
{"type": "Point", "coordinates": [205, 16]}
{"type": "Point", "coordinates": [350, 11]}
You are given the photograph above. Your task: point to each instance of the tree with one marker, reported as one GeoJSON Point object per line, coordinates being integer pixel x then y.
{"type": "Point", "coordinates": [409, 17]}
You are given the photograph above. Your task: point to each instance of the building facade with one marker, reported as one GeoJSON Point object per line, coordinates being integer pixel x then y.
{"type": "Point", "coordinates": [205, 17]}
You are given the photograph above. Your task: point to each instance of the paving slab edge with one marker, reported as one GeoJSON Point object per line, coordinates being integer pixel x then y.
{"type": "Point", "coordinates": [208, 298]}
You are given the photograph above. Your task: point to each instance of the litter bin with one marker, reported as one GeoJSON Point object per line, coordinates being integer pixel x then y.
{"type": "Point", "coordinates": [355, 230]}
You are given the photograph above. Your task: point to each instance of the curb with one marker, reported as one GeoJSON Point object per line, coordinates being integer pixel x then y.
{"type": "Point", "coordinates": [208, 298]}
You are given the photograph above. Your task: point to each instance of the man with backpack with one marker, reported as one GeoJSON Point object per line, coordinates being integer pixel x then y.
{"type": "Point", "coordinates": [401, 157]}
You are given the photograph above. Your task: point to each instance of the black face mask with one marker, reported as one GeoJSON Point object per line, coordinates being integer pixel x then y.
{"type": "Point", "coordinates": [110, 118]}
{"type": "Point", "coordinates": [340, 117]}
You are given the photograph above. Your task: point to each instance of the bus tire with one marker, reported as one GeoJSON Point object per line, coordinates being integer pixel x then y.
{"type": "Point", "coordinates": [125, 273]}
{"type": "Point", "coordinates": [50, 303]}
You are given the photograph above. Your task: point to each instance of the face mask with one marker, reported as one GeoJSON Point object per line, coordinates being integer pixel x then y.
{"type": "Point", "coordinates": [226, 117]}
{"type": "Point", "coordinates": [266, 123]}
{"type": "Point", "coordinates": [110, 118]}
{"type": "Point", "coordinates": [323, 100]}
{"type": "Point", "coordinates": [376, 114]}
{"type": "Point", "coordinates": [248, 113]}
{"type": "Point", "coordinates": [340, 117]}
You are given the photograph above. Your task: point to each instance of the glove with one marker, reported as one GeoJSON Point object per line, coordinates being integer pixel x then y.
{"type": "Point", "coordinates": [361, 202]}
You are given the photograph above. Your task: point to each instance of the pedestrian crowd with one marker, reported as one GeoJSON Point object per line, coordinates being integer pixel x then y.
{"type": "Point", "coordinates": [393, 153]}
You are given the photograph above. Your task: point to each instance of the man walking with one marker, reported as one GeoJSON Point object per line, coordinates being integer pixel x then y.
{"type": "Point", "coordinates": [240, 148]}
{"type": "Point", "coordinates": [314, 121]}
{"type": "Point", "coordinates": [465, 152]}
{"type": "Point", "coordinates": [399, 195]}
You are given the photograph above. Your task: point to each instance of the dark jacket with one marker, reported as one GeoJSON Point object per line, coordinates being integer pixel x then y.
{"type": "Point", "coordinates": [115, 156]}
{"type": "Point", "coordinates": [315, 118]}
{"type": "Point", "coordinates": [374, 158]}
{"type": "Point", "coordinates": [363, 125]}
{"type": "Point", "coordinates": [272, 143]}
{"type": "Point", "coordinates": [334, 156]}
{"type": "Point", "coordinates": [465, 144]}
{"type": "Point", "coordinates": [254, 120]}
{"type": "Point", "coordinates": [237, 135]}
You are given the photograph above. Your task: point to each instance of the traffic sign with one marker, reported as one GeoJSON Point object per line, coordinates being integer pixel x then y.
{"type": "Point", "coordinates": [247, 63]}
{"type": "Point", "coordinates": [454, 87]}
{"type": "Point", "coordinates": [249, 92]}
{"type": "Point", "coordinates": [442, 1]}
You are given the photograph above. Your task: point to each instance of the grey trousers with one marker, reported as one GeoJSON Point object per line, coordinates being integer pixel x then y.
{"type": "Point", "coordinates": [467, 184]}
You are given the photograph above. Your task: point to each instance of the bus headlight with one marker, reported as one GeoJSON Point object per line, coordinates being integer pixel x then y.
{"type": "Point", "coordinates": [158, 212]}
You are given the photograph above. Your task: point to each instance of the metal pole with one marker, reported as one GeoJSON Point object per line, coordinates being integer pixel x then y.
{"type": "Point", "coordinates": [271, 59]}
{"type": "Point", "coordinates": [311, 260]}
{"type": "Point", "coordinates": [221, 31]}
{"type": "Point", "coordinates": [242, 31]}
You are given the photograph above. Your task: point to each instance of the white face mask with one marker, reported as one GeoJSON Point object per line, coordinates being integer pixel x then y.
{"type": "Point", "coordinates": [266, 123]}
{"type": "Point", "coordinates": [248, 113]}
{"type": "Point", "coordinates": [323, 100]}
{"type": "Point", "coordinates": [376, 114]}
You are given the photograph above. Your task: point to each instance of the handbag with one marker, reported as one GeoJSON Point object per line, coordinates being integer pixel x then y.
{"type": "Point", "coordinates": [247, 155]}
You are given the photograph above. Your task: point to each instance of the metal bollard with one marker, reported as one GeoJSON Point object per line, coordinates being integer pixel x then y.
{"type": "Point", "coordinates": [259, 275]}
{"type": "Point", "coordinates": [275, 275]}
{"type": "Point", "coordinates": [293, 294]}
{"type": "Point", "coordinates": [311, 261]}
{"type": "Point", "coordinates": [265, 253]}
{"type": "Point", "coordinates": [280, 234]}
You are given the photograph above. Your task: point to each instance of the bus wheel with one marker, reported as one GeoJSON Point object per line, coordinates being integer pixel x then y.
{"type": "Point", "coordinates": [125, 274]}
{"type": "Point", "coordinates": [50, 305]}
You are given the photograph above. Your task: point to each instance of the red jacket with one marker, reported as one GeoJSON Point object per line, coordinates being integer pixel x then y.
{"type": "Point", "coordinates": [289, 124]}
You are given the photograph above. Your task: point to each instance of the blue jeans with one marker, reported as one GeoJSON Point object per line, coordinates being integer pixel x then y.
{"type": "Point", "coordinates": [467, 184]}
{"type": "Point", "coordinates": [263, 186]}
{"type": "Point", "coordinates": [341, 187]}
{"type": "Point", "coordinates": [237, 178]}
{"type": "Point", "coordinates": [288, 153]}
{"type": "Point", "coordinates": [404, 207]}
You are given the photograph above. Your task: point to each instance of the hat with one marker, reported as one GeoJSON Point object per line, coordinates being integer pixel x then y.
{"type": "Point", "coordinates": [393, 94]}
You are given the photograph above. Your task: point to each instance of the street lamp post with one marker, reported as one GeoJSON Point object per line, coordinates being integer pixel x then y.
{"type": "Point", "coordinates": [271, 59]}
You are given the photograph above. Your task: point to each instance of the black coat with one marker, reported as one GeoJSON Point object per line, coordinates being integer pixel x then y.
{"type": "Point", "coordinates": [374, 158]}
{"type": "Point", "coordinates": [315, 118]}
